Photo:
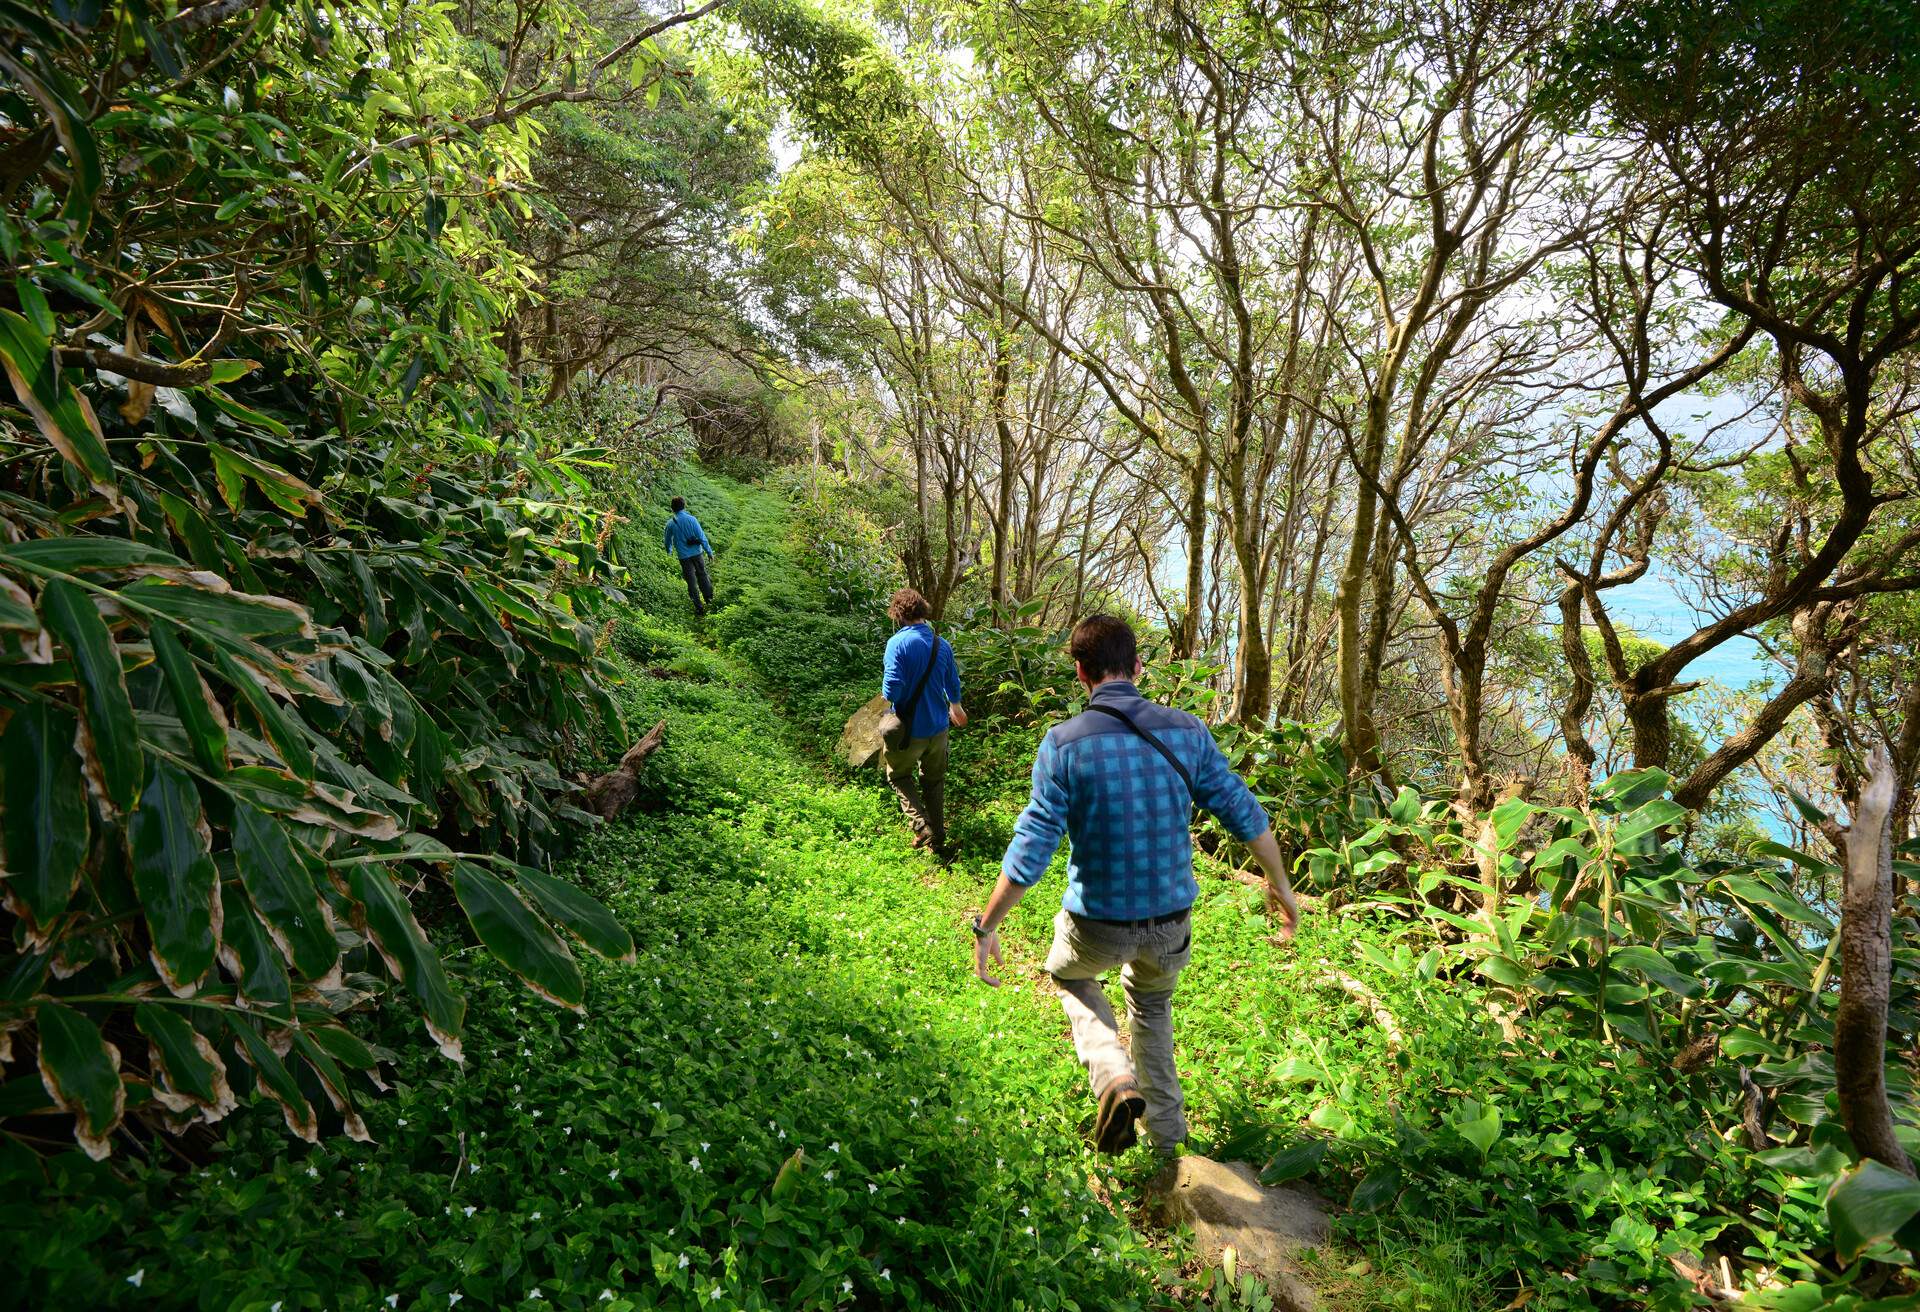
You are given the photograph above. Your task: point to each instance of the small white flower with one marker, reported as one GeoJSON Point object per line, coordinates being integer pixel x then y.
{"type": "Point", "coordinates": [656, 1106]}
{"type": "Point", "coordinates": [535, 1293]}
{"type": "Point", "coordinates": [313, 1171]}
{"type": "Point", "coordinates": [606, 1296]}
{"type": "Point", "coordinates": [536, 1113]}
{"type": "Point", "coordinates": [614, 1174]}
{"type": "Point", "coordinates": [828, 1176]}
{"type": "Point", "coordinates": [277, 1305]}
{"type": "Point", "coordinates": [833, 1147]}
{"type": "Point", "coordinates": [469, 1210]}
{"type": "Point", "coordinates": [534, 1217]}
{"type": "Point", "coordinates": [694, 1162]}
{"type": "Point", "coordinates": [714, 1293]}
{"type": "Point", "coordinates": [872, 1188]}
{"type": "Point", "coordinates": [783, 1134]}
{"type": "Point", "coordinates": [914, 1101]}
{"type": "Point", "coordinates": [393, 1300]}
{"type": "Point", "coordinates": [886, 1273]}
{"type": "Point", "coordinates": [569, 1132]}
{"type": "Point", "coordinates": [339, 1213]}
{"type": "Point", "coordinates": [137, 1277]}
{"type": "Point", "coordinates": [454, 1298]}
{"type": "Point", "coordinates": [999, 1164]}
{"type": "Point", "coordinates": [846, 1286]}
{"type": "Point", "coordinates": [704, 1145]}
{"type": "Point", "coordinates": [403, 1120]}
{"type": "Point", "coordinates": [1096, 1252]}
{"type": "Point", "coordinates": [685, 1261]}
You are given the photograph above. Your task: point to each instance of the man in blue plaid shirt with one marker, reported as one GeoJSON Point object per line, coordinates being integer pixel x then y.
{"type": "Point", "coordinates": [1120, 781]}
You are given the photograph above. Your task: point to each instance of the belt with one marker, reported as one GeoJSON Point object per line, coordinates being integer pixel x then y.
{"type": "Point", "coordinates": [1148, 923]}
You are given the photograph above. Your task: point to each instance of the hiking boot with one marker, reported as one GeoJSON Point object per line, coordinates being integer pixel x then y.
{"type": "Point", "coordinates": [1120, 1106]}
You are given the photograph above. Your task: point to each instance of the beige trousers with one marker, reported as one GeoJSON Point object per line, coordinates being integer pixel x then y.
{"type": "Point", "coordinates": [1149, 960]}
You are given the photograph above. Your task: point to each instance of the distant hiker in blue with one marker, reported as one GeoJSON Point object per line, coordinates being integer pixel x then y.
{"type": "Point", "coordinates": [686, 539]}
{"type": "Point", "coordinates": [922, 683]}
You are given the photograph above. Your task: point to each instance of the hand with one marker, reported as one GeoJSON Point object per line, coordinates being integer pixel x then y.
{"type": "Point", "coordinates": [957, 716]}
{"type": "Point", "coordinates": [1280, 902]}
{"type": "Point", "coordinates": [987, 945]}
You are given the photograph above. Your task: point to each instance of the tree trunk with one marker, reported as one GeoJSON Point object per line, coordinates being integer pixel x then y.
{"type": "Point", "coordinates": [1186, 637]}
{"type": "Point", "coordinates": [614, 791]}
{"type": "Point", "coordinates": [1866, 964]}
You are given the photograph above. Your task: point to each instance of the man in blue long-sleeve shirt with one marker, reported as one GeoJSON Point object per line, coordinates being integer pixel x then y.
{"type": "Point", "coordinates": [1120, 781]}
{"type": "Point", "coordinates": [686, 539]}
{"type": "Point", "coordinates": [918, 660]}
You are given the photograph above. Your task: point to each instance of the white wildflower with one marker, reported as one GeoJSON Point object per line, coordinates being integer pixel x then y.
{"type": "Point", "coordinates": [694, 1162]}
{"type": "Point", "coordinates": [137, 1277]}
{"type": "Point", "coordinates": [886, 1273]}
{"type": "Point", "coordinates": [685, 1261]}
{"type": "Point", "coordinates": [534, 1217]}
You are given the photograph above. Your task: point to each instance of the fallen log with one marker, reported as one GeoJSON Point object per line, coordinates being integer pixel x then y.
{"type": "Point", "coordinates": [614, 791]}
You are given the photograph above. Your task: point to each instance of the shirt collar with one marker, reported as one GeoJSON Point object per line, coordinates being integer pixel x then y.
{"type": "Point", "coordinates": [1115, 690]}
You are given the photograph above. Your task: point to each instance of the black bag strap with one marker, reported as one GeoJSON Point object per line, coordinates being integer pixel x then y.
{"type": "Point", "coordinates": [905, 709]}
{"type": "Point", "coordinates": [1193, 794]}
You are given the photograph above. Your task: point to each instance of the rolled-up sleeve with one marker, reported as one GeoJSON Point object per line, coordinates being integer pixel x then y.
{"type": "Point", "coordinates": [1226, 795]}
{"type": "Point", "coordinates": [1037, 833]}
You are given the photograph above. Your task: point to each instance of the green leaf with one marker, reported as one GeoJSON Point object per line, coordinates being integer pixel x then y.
{"type": "Point", "coordinates": [287, 737]}
{"type": "Point", "coordinates": [82, 1072]}
{"type": "Point", "coordinates": [113, 742]}
{"type": "Point", "coordinates": [174, 876]}
{"type": "Point", "coordinates": [191, 1066]}
{"type": "Point", "coordinates": [339, 1093]}
{"type": "Point", "coordinates": [235, 469]}
{"type": "Point", "coordinates": [276, 1080]}
{"type": "Point", "coordinates": [249, 956]}
{"type": "Point", "coordinates": [1868, 1205]}
{"type": "Point", "coordinates": [83, 553]}
{"type": "Point", "coordinates": [520, 939]}
{"type": "Point", "coordinates": [1649, 962]}
{"type": "Point", "coordinates": [1477, 1126]}
{"type": "Point", "coordinates": [408, 955]}
{"type": "Point", "coordinates": [223, 614]}
{"type": "Point", "coordinates": [227, 371]}
{"type": "Point", "coordinates": [282, 891]}
{"type": "Point", "coordinates": [1294, 1162]}
{"type": "Point", "coordinates": [60, 413]}
{"type": "Point", "coordinates": [46, 814]}
{"type": "Point", "coordinates": [1751, 889]}
{"type": "Point", "coordinates": [577, 913]}
{"type": "Point", "coordinates": [1380, 1187]}
{"type": "Point", "coordinates": [200, 716]}
{"type": "Point", "coordinates": [1660, 813]}
{"type": "Point", "coordinates": [1405, 807]}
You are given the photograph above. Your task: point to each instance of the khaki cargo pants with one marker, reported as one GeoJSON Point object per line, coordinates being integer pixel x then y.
{"type": "Point", "coordinates": [1149, 959]}
{"type": "Point", "coordinates": [923, 798]}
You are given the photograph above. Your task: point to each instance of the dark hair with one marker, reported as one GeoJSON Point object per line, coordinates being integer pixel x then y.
{"type": "Point", "coordinates": [908, 607]}
{"type": "Point", "coordinates": [679, 504]}
{"type": "Point", "coordinates": [1105, 647]}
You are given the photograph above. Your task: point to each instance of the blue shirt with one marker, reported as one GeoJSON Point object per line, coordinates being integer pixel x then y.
{"type": "Point", "coordinates": [908, 652]}
{"type": "Point", "coordinates": [685, 535]}
{"type": "Point", "coordinates": [1125, 809]}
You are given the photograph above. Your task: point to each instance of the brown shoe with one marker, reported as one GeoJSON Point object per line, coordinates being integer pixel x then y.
{"type": "Point", "coordinates": [1120, 1106]}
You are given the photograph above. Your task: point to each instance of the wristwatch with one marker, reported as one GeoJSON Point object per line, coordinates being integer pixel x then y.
{"type": "Point", "coordinates": [979, 930]}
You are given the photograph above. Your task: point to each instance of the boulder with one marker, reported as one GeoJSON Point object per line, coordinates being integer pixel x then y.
{"type": "Point", "coordinates": [1226, 1206]}
{"type": "Point", "coordinates": [860, 744]}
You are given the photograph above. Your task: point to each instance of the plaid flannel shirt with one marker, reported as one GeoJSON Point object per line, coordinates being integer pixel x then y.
{"type": "Point", "coordinates": [1124, 809]}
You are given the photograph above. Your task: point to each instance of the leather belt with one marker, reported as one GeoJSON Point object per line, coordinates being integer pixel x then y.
{"type": "Point", "coordinates": [1150, 922]}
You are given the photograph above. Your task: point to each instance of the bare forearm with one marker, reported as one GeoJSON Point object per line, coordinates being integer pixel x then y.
{"type": "Point", "coordinates": [1266, 850]}
{"type": "Point", "coordinates": [1006, 896]}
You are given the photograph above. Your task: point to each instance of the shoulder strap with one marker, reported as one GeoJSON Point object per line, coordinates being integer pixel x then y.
{"type": "Point", "coordinates": [1193, 793]}
{"type": "Point", "coordinates": [907, 708]}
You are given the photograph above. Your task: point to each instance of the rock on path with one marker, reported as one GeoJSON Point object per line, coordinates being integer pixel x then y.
{"type": "Point", "coordinates": [1226, 1206]}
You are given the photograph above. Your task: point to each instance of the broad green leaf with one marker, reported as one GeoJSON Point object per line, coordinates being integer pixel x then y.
{"type": "Point", "coordinates": [518, 937]}
{"type": "Point", "coordinates": [227, 371]}
{"type": "Point", "coordinates": [61, 414]}
{"type": "Point", "coordinates": [250, 958]}
{"type": "Point", "coordinates": [1509, 817]}
{"type": "Point", "coordinates": [334, 1081]}
{"type": "Point", "coordinates": [1380, 1186]}
{"type": "Point", "coordinates": [1294, 1162]}
{"type": "Point", "coordinates": [1631, 787]}
{"type": "Point", "coordinates": [200, 715]}
{"type": "Point", "coordinates": [390, 923]}
{"type": "Point", "coordinates": [1869, 1204]}
{"type": "Point", "coordinates": [174, 875]}
{"type": "Point", "coordinates": [191, 1066]}
{"type": "Point", "coordinates": [1478, 1126]}
{"type": "Point", "coordinates": [1656, 967]}
{"type": "Point", "coordinates": [1659, 813]}
{"type": "Point", "coordinates": [577, 913]}
{"type": "Point", "coordinates": [46, 814]}
{"type": "Point", "coordinates": [1405, 807]}
{"type": "Point", "coordinates": [236, 614]}
{"type": "Point", "coordinates": [235, 469]}
{"type": "Point", "coordinates": [1748, 888]}
{"type": "Point", "coordinates": [82, 553]}
{"type": "Point", "coordinates": [275, 1080]}
{"type": "Point", "coordinates": [282, 892]}
{"type": "Point", "coordinates": [113, 741]}
{"type": "Point", "coordinates": [82, 1072]}
{"type": "Point", "coordinates": [287, 736]}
